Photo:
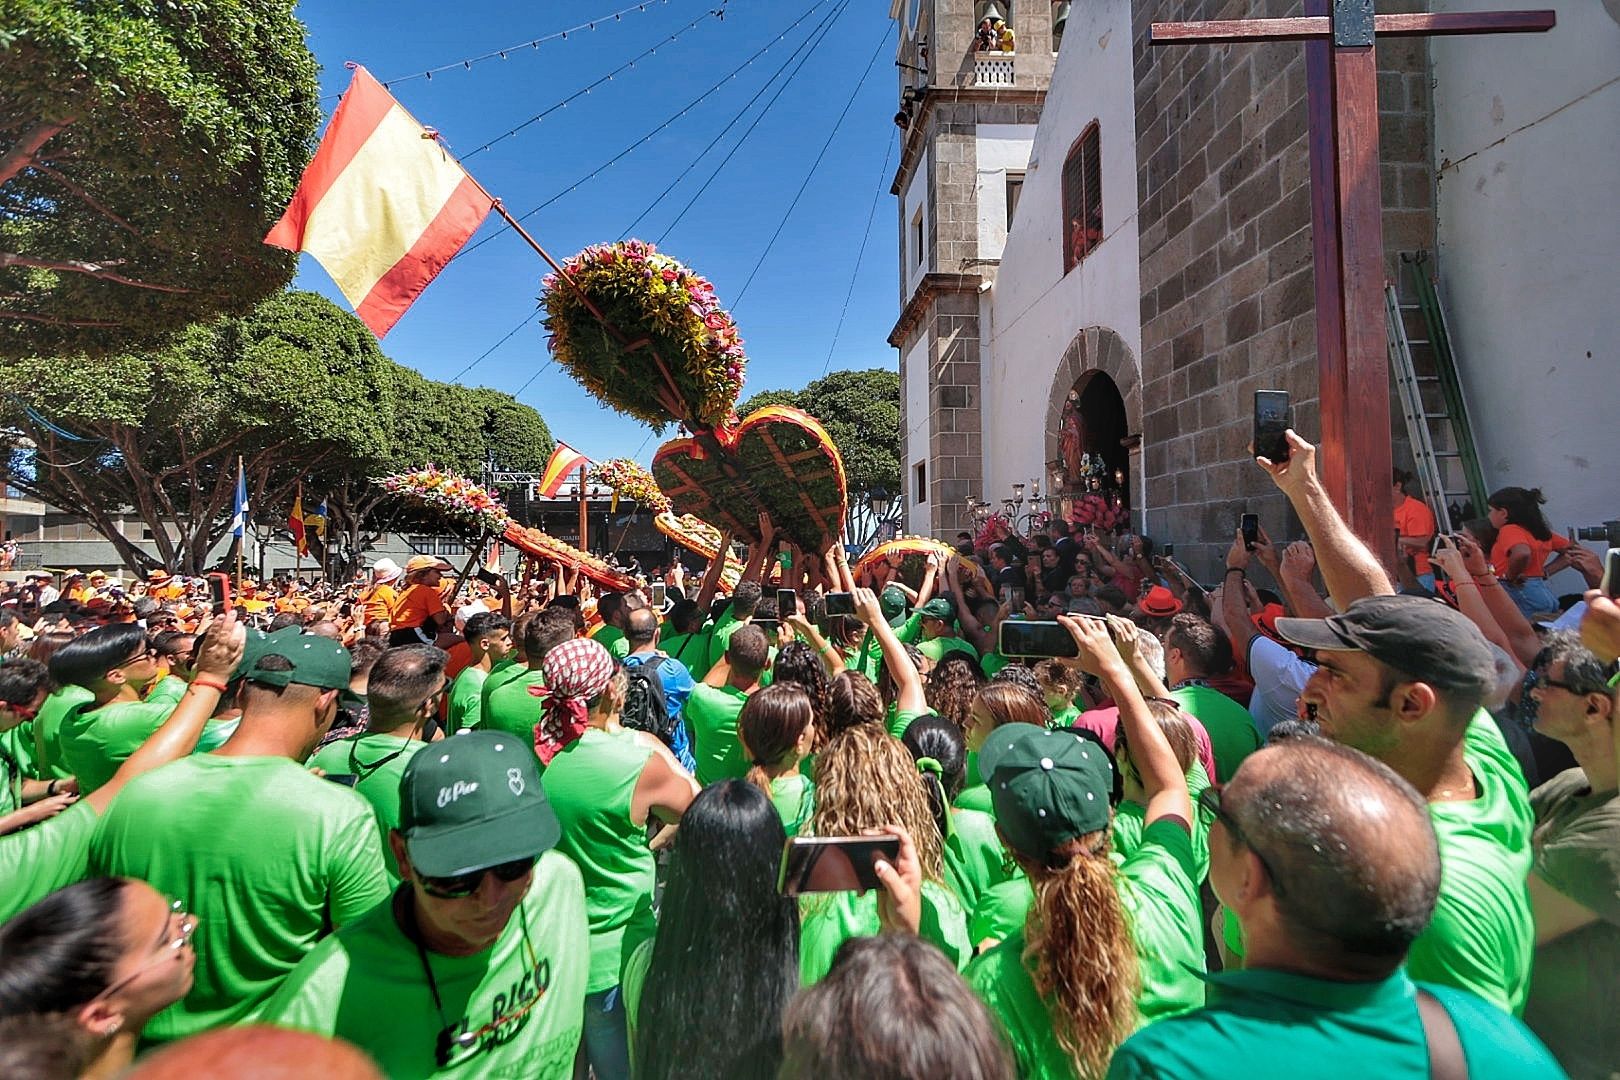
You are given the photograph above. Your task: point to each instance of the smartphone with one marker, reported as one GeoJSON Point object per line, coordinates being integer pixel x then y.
{"type": "Point", "coordinates": [219, 593]}
{"type": "Point", "coordinates": [840, 603]}
{"type": "Point", "coordinates": [1169, 551]}
{"type": "Point", "coordinates": [812, 864]}
{"type": "Point", "coordinates": [1021, 637]}
{"type": "Point", "coordinates": [787, 602]}
{"type": "Point", "coordinates": [1610, 585]}
{"type": "Point", "coordinates": [1013, 596]}
{"type": "Point", "coordinates": [1271, 420]}
{"type": "Point", "coordinates": [1437, 543]}
{"type": "Point", "coordinates": [1249, 525]}
{"type": "Point", "coordinates": [660, 594]}
{"type": "Point", "coordinates": [771, 626]}
{"type": "Point", "coordinates": [487, 576]}
{"type": "Point", "coordinates": [346, 779]}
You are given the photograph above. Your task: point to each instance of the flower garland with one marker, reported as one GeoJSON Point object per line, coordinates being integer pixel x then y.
{"type": "Point", "coordinates": [646, 295]}
{"type": "Point", "coordinates": [1096, 511]}
{"type": "Point", "coordinates": [456, 497]}
{"type": "Point", "coordinates": [630, 481]}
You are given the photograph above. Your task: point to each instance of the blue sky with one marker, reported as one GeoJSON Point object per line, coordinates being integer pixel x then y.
{"type": "Point", "coordinates": [789, 311]}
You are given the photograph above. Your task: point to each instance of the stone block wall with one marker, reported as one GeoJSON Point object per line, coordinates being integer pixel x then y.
{"type": "Point", "coordinates": [1228, 307]}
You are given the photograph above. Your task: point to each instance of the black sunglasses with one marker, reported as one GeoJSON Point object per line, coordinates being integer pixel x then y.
{"type": "Point", "coordinates": [1209, 802]}
{"type": "Point", "coordinates": [461, 886]}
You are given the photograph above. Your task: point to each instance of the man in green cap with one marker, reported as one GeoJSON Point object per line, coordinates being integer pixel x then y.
{"type": "Point", "coordinates": [267, 855]}
{"type": "Point", "coordinates": [937, 620]}
{"type": "Point", "coordinates": [1329, 860]}
{"type": "Point", "coordinates": [477, 966]}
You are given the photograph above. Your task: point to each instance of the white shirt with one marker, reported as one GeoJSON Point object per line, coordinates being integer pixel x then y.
{"type": "Point", "coordinates": [1279, 677]}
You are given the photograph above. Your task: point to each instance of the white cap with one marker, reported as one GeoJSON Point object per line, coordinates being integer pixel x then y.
{"type": "Point", "coordinates": [386, 569]}
{"type": "Point", "coordinates": [467, 611]}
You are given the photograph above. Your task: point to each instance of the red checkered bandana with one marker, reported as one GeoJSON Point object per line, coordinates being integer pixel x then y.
{"type": "Point", "coordinates": [576, 671]}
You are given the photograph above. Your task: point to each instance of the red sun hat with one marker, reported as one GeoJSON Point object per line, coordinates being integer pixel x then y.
{"type": "Point", "coordinates": [1159, 602]}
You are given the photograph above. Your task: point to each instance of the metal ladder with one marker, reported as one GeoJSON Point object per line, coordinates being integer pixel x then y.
{"type": "Point", "coordinates": [1425, 375]}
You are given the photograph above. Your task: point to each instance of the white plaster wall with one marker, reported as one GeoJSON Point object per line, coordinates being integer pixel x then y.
{"type": "Point", "coordinates": [914, 374]}
{"type": "Point", "coordinates": [1001, 148]}
{"type": "Point", "coordinates": [916, 196]}
{"type": "Point", "coordinates": [1527, 144]}
{"type": "Point", "coordinates": [1037, 309]}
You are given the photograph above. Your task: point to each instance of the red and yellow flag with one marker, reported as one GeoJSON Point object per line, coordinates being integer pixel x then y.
{"type": "Point", "coordinates": [564, 460]}
{"type": "Point", "coordinates": [295, 522]}
{"type": "Point", "coordinates": [382, 206]}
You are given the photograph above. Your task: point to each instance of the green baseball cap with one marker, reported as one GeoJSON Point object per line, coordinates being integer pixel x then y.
{"type": "Point", "coordinates": [1046, 787]}
{"type": "Point", "coordinates": [892, 602]}
{"type": "Point", "coordinates": [316, 661]}
{"type": "Point", "coordinates": [473, 801]}
{"type": "Point", "coordinates": [940, 607]}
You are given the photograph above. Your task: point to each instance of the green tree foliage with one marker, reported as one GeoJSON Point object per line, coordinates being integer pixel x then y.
{"type": "Point", "coordinates": [861, 411]}
{"type": "Point", "coordinates": [298, 388]}
{"type": "Point", "coordinates": [146, 146]}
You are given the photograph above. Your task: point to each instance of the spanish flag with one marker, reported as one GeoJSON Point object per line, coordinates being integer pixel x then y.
{"type": "Point", "coordinates": [295, 522]}
{"type": "Point", "coordinates": [382, 206]}
{"type": "Point", "coordinates": [564, 460]}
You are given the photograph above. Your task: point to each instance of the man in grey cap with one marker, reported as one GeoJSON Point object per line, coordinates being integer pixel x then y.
{"type": "Point", "coordinates": [477, 965]}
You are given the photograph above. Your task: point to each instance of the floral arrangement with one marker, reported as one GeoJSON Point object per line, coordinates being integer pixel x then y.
{"type": "Point", "coordinates": [630, 481]}
{"type": "Point", "coordinates": [994, 529]}
{"type": "Point", "coordinates": [548, 548]}
{"type": "Point", "coordinates": [1099, 513]}
{"type": "Point", "coordinates": [456, 497]}
{"type": "Point", "coordinates": [646, 295]}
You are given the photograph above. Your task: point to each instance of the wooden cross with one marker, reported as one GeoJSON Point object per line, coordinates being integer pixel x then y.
{"type": "Point", "coordinates": [1341, 75]}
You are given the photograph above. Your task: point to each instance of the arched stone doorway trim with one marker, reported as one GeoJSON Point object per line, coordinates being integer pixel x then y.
{"type": "Point", "coordinates": [1096, 348]}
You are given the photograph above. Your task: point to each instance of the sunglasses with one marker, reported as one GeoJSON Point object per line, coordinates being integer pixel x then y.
{"type": "Point", "coordinates": [461, 886]}
{"type": "Point", "coordinates": [1209, 802]}
{"type": "Point", "coordinates": [147, 653]}
{"type": "Point", "coordinates": [168, 948]}
{"type": "Point", "coordinates": [1543, 680]}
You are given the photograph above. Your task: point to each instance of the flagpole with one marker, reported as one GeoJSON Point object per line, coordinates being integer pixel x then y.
{"type": "Point", "coordinates": [583, 513]}
{"type": "Point", "coordinates": [298, 541]}
{"type": "Point", "coordinates": [241, 541]}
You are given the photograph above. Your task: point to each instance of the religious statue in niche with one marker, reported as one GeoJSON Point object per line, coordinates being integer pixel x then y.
{"type": "Point", "coordinates": [1095, 488]}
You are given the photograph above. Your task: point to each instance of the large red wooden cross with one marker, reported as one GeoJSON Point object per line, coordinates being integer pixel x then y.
{"type": "Point", "coordinates": [1346, 224]}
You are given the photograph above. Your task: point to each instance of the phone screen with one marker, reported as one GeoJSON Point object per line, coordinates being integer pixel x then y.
{"type": "Point", "coordinates": [1021, 637]}
{"type": "Point", "coordinates": [659, 594]}
{"type": "Point", "coordinates": [219, 593]}
{"type": "Point", "coordinates": [1271, 420]}
{"type": "Point", "coordinates": [346, 779]}
{"type": "Point", "coordinates": [1610, 585]}
{"type": "Point", "coordinates": [812, 864]}
{"type": "Point", "coordinates": [1249, 524]}
{"type": "Point", "coordinates": [1169, 550]}
{"type": "Point", "coordinates": [787, 602]}
{"type": "Point", "coordinates": [840, 603]}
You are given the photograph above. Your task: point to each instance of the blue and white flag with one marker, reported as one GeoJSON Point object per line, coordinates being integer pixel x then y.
{"type": "Point", "coordinates": [240, 515]}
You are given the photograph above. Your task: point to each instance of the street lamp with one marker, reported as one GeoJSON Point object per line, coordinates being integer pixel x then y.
{"type": "Point", "coordinates": [880, 502]}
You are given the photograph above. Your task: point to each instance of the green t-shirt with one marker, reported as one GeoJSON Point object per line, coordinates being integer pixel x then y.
{"type": "Point", "coordinates": [900, 719]}
{"type": "Point", "coordinates": [690, 649]}
{"type": "Point", "coordinates": [991, 663]}
{"type": "Point", "coordinates": [378, 762]}
{"type": "Point", "coordinates": [170, 688]}
{"type": "Point", "coordinates": [720, 636]}
{"type": "Point", "coordinates": [499, 676]}
{"type": "Point", "coordinates": [1064, 717]}
{"type": "Point", "coordinates": [1129, 818]}
{"type": "Point", "coordinates": [1161, 908]}
{"type": "Point", "coordinates": [868, 657]}
{"type": "Point", "coordinates": [794, 797]}
{"type": "Point", "coordinates": [365, 984]}
{"type": "Point", "coordinates": [37, 861]}
{"type": "Point", "coordinates": [974, 797]}
{"type": "Point", "coordinates": [711, 714]}
{"type": "Point", "coordinates": [827, 920]}
{"type": "Point", "coordinates": [937, 648]}
{"type": "Point", "coordinates": [95, 742]}
{"type": "Point", "coordinates": [1482, 937]}
{"type": "Point", "coordinates": [467, 699]}
{"type": "Point", "coordinates": [269, 858]}
{"type": "Point", "coordinates": [635, 980]}
{"type": "Point", "coordinates": [1576, 977]}
{"type": "Point", "coordinates": [590, 785]}
{"type": "Point", "coordinates": [613, 640]}
{"type": "Point", "coordinates": [992, 887]}
{"type": "Point", "coordinates": [511, 708]}
{"type": "Point", "coordinates": [59, 705]}
{"type": "Point", "coordinates": [16, 765]}
{"type": "Point", "coordinates": [1290, 1025]}
{"type": "Point", "coordinates": [1232, 734]}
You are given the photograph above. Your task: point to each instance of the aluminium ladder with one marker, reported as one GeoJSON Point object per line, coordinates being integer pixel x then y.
{"type": "Point", "coordinates": [1425, 374]}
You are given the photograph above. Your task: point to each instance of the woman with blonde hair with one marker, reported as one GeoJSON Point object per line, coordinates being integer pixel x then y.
{"type": "Point", "coordinates": [1066, 988]}
{"type": "Point", "coordinates": [865, 780]}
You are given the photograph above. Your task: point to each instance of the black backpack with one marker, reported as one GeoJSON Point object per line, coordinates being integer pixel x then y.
{"type": "Point", "coordinates": [645, 708]}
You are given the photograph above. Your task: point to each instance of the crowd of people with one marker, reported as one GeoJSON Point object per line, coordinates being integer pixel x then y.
{"type": "Point", "coordinates": [1324, 817]}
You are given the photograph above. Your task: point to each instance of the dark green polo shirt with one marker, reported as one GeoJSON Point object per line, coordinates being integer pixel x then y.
{"type": "Point", "coordinates": [1271, 1023]}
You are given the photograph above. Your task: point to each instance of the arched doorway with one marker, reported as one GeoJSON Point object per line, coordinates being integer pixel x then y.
{"type": "Point", "coordinates": [1091, 446]}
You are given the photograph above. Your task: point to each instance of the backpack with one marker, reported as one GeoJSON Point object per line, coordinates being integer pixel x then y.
{"type": "Point", "coordinates": [645, 708]}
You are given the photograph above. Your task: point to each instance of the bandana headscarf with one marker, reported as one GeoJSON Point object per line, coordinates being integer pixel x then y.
{"type": "Point", "coordinates": [576, 671]}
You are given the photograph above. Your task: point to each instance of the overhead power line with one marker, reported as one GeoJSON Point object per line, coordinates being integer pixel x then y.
{"type": "Point", "coordinates": [882, 186]}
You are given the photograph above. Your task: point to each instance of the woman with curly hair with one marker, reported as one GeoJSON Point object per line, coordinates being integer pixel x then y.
{"type": "Point", "coordinates": [1066, 988]}
{"type": "Point", "coordinates": [865, 780]}
{"type": "Point", "coordinates": [952, 686]}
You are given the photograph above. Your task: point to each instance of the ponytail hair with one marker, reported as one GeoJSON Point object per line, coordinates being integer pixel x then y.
{"type": "Point", "coordinates": [1523, 508]}
{"type": "Point", "coordinates": [1080, 953]}
{"type": "Point", "coordinates": [772, 722]}
{"type": "Point", "coordinates": [941, 756]}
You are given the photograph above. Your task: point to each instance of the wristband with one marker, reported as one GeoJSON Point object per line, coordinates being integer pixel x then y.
{"type": "Point", "coordinates": [199, 680]}
{"type": "Point", "coordinates": [1236, 570]}
{"type": "Point", "coordinates": [50, 789]}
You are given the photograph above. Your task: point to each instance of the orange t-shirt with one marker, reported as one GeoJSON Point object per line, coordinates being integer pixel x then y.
{"type": "Point", "coordinates": [1414, 518]}
{"type": "Point", "coordinates": [415, 606]}
{"type": "Point", "coordinates": [1511, 536]}
{"type": "Point", "coordinates": [378, 602]}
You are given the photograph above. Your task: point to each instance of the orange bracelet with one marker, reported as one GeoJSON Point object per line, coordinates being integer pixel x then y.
{"type": "Point", "coordinates": [209, 683]}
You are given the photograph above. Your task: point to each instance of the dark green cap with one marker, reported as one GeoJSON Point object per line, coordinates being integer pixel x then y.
{"type": "Point", "coordinates": [940, 607]}
{"type": "Point", "coordinates": [1047, 787]}
{"type": "Point", "coordinates": [892, 602]}
{"type": "Point", "coordinates": [316, 661]}
{"type": "Point", "coordinates": [473, 801]}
